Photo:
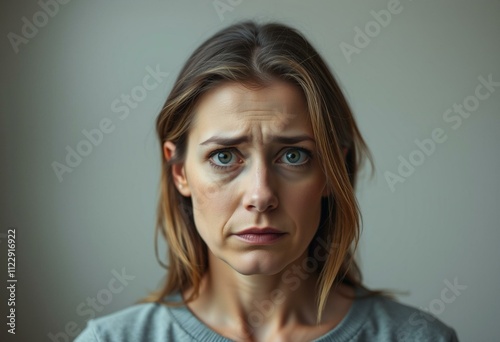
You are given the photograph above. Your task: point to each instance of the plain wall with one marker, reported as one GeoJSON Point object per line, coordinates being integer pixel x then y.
{"type": "Point", "coordinates": [438, 224]}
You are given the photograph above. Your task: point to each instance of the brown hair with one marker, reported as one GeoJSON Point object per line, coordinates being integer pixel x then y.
{"type": "Point", "coordinates": [255, 54]}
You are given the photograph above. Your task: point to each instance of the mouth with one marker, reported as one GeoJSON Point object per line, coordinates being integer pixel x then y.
{"type": "Point", "coordinates": [260, 236]}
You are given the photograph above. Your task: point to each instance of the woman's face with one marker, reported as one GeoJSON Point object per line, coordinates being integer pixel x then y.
{"type": "Point", "coordinates": [252, 172]}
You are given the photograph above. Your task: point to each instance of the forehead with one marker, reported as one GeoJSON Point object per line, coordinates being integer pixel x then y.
{"type": "Point", "coordinates": [234, 106]}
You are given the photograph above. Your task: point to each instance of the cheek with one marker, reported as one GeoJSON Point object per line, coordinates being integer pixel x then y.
{"type": "Point", "coordinates": [213, 205]}
{"type": "Point", "coordinates": [307, 205]}
{"type": "Point", "coordinates": [304, 203]}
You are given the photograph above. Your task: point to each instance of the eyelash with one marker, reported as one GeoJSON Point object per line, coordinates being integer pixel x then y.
{"type": "Point", "coordinates": [302, 149]}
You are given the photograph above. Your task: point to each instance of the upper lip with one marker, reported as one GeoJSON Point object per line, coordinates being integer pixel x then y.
{"type": "Point", "coordinates": [262, 230]}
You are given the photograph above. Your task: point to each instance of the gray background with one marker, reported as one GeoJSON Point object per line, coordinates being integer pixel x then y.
{"type": "Point", "coordinates": [440, 224]}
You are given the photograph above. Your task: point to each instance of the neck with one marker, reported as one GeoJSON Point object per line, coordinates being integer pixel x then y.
{"type": "Point", "coordinates": [256, 304]}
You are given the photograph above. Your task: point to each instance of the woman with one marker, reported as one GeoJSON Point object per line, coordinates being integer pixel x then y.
{"type": "Point", "coordinates": [260, 155]}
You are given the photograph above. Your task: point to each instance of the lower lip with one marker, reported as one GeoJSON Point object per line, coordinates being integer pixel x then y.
{"type": "Point", "coordinates": [261, 239]}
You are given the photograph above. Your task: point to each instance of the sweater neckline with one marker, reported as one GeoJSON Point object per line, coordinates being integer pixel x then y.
{"type": "Point", "coordinates": [199, 331]}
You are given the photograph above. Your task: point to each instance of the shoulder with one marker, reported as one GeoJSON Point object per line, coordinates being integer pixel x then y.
{"type": "Point", "coordinates": [141, 322]}
{"type": "Point", "coordinates": [395, 321]}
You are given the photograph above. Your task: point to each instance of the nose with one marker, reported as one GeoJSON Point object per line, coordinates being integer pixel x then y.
{"type": "Point", "coordinates": [260, 195]}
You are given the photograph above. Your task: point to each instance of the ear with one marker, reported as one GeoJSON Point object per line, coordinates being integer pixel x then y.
{"type": "Point", "coordinates": [344, 151]}
{"type": "Point", "coordinates": [178, 170]}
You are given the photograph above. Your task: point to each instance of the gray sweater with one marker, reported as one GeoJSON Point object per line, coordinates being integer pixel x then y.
{"type": "Point", "coordinates": [370, 319]}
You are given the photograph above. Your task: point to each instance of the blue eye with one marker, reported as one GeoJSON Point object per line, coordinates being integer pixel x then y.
{"type": "Point", "coordinates": [295, 157]}
{"type": "Point", "coordinates": [227, 158]}
{"type": "Point", "coordinates": [222, 158]}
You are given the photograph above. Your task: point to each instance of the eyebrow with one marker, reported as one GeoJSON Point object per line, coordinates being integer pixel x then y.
{"type": "Point", "coordinates": [243, 139]}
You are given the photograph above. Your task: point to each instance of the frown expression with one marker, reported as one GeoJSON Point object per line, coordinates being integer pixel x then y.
{"type": "Point", "coordinates": [251, 162]}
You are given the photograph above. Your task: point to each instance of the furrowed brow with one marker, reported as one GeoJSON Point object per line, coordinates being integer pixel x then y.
{"type": "Point", "coordinates": [225, 141]}
{"type": "Point", "coordinates": [291, 140]}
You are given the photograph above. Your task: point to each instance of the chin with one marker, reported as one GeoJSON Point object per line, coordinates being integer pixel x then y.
{"type": "Point", "coordinates": [257, 264]}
